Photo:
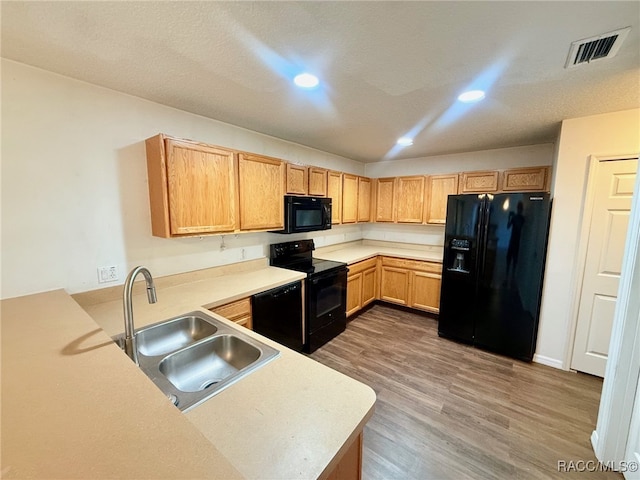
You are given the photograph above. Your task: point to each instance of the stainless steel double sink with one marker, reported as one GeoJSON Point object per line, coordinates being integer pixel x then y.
{"type": "Point", "coordinates": [194, 356]}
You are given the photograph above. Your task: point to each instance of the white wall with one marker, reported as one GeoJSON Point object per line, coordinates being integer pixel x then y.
{"type": "Point", "coordinates": [601, 135]}
{"type": "Point", "coordinates": [514, 157]}
{"type": "Point", "coordinates": [74, 184]}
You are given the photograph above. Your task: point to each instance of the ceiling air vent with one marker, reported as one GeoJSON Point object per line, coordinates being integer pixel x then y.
{"type": "Point", "coordinates": [596, 48]}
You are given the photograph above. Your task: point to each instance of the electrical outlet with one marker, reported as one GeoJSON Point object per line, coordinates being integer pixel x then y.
{"type": "Point", "coordinates": [107, 274]}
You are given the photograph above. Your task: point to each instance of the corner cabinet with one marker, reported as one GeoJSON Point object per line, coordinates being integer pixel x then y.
{"type": "Point", "coordinates": [261, 185]}
{"type": "Point", "coordinates": [364, 199]}
{"type": "Point", "coordinates": [384, 194]}
{"type": "Point", "coordinates": [192, 187]}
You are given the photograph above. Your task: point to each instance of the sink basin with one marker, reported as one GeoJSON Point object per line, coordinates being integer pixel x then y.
{"type": "Point", "coordinates": [169, 336]}
{"type": "Point", "coordinates": [208, 363]}
{"type": "Point", "coordinates": [194, 356]}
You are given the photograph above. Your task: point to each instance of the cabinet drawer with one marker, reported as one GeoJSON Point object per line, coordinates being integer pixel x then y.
{"type": "Point", "coordinates": [361, 266]}
{"type": "Point", "coordinates": [234, 310]}
{"type": "Point", "coordinates": [418, 265]}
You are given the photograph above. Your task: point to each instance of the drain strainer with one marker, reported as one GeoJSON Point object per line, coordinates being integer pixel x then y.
{"type": "Point", "coordinates": [208, 384]}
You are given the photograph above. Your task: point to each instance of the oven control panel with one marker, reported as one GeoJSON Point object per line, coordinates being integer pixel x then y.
{"type": "Point", "coordinates": [290, 249]}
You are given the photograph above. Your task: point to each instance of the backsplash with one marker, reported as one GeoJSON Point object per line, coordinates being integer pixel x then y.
{"type": "Point", "coordinates": [393, 232]}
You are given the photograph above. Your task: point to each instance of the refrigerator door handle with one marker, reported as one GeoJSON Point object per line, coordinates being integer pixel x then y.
{"type": "Point", "coordinates": [485, 235]}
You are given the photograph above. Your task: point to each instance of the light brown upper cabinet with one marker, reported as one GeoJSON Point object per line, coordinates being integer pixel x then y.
{"type": "Point", "coordinates": [479, 182]}
{"type": "Point", "coordinates": [261, 186]}
{"type": "Point", "coordinates": [349, 198]}
{"type": "Point", "coordinates": [364, 199]}
{"type": "Point", "coordinates": [535, 179]}
{"type": "Point", "coordinates": [297, 179]}
{"type": "Point", "coordinates": [439, 188]}
{"type": "Point", "coordinates": [317, 182]}
{"type": "Point", "coordinates": [192, 187]}
{"type": "Point", "coordinates": [334, 191]}
{"type": "Point", "coordinates": [385, 191]}
{"type": "Point", "coordinates": [409, 200]}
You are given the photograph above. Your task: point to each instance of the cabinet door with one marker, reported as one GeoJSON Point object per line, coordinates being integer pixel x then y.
{"type": "Point", "coordinates": [349, 198]}
{"type": "Point", "coordinates": [479, 182]}
{"type": "Point", "coordinates": [354, 293]}
{"type": "Point", "coordinates": [425, 291]}
{"type": "Point", "coordinates": [534, 179]}
{"type": "Point", "coordinates": [238, 312]}
{"type": "Point", "coordinates": [385, 189]}
{"type": "Point", "coordinates": [334, 191]}
{"type": "Point", "coordinates": [409, 204]}
{"type": "Point", "coordinates": [261, 185]}
{"type": "Point", "coordinates": [369, 278]}
{"type": "Point", "coordinates": [317, 182]}
{"type": "Point", "coordinates": [297, 179]}
{"type": "Point", "coordinates": [364, 199]}
{"type": "Point", "coordinates": [394, 285]}
{"type": "Point", "coordinates": [201, 188]}
{"type": "Point", "coordinates": [440, 187]}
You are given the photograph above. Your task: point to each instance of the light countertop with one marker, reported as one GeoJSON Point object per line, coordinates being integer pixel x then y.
{"type": "Point", "coordinates": [74, 405]}
{"type": "Point", "coordinates": [353, 253]}
{"type": "Point", "coordinates": [184, 297]}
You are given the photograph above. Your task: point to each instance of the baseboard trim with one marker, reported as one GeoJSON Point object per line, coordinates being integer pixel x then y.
{"type": "Point", "coordinates": [548, 361]}
{"type": "Point", "coordinates": [594, 444]}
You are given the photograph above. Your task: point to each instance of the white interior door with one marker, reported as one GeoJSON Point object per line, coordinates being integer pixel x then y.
{"type": "Point", "coordinates": [612, 193]}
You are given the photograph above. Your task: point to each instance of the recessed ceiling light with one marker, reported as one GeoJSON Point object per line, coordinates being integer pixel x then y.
{"type": "Point", "coordinates": [306, 80]}
{"type": "Point", "coordinates": [471, 96]}
{"type": "Point", "coordinates": [405, 141]}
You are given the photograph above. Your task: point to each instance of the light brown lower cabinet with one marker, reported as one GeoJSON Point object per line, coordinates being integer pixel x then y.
{"type": "Point", "coordinates": [425, 291]}
{"type": "Point", "coordinates": [361, 285]}
{"type": "Point", "coordinates": [412, 283]}
{"type": "Point", "coordinates": [349, 466]}
{"type": "Point", "coordinates": [394, 285]}
{"type": "Point", "coordinates": [238, 312]}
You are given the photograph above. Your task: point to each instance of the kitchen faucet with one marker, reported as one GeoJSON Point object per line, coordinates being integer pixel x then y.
{"type": "Point", "coordinates": [130, 343]}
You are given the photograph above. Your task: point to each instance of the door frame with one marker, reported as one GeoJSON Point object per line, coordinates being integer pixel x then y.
{"type": "Point", "coordinates": [622, 375]}
{"type": "Point", "coordinates": [583, 243]}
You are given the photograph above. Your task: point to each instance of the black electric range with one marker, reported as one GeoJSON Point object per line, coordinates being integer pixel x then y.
{"type": "Point", "coordinates": [325, 303]}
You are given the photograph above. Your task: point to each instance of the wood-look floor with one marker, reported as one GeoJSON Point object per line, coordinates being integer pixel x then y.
{"type": "Point", "coordinates": [450, 411]}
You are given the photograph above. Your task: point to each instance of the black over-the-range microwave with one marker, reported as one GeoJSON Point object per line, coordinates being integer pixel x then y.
{"type": "Point", "coordinates": [306, 214]}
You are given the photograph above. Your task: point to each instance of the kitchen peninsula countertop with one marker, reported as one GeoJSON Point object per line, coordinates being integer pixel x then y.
{"type": "Point", "coordinates": [74, 406]}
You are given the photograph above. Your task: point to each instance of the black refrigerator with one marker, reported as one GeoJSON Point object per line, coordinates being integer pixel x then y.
{"type": "Point", "coordinates": [493, 266]}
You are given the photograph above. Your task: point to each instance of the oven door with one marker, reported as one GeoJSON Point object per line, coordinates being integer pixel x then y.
{"type": "Point", "coordinates": [327, 299]}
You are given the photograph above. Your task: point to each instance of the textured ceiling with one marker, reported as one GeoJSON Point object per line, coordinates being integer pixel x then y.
{"type": "Point", "coordinates": [387, 68]}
